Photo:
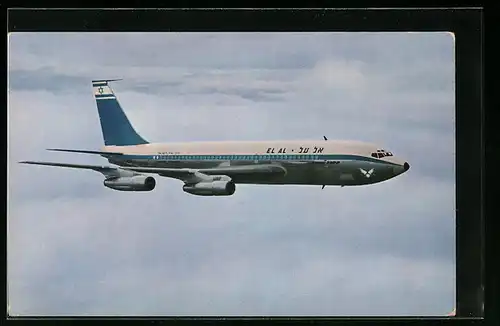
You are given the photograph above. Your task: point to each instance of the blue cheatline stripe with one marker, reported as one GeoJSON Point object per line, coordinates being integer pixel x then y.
{"type": "Point", "coordinates": [259, 157]}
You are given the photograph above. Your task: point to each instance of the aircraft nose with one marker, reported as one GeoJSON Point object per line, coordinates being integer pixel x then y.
{"type": "Point", "coordinates": [406, 166]}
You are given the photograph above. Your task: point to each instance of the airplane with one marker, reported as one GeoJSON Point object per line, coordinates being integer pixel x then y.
{"type": "Point", "coordinates": [210, 168]}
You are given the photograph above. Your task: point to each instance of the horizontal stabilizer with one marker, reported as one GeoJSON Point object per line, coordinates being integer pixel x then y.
{"type": "Point", "coordinates": [84, 151]}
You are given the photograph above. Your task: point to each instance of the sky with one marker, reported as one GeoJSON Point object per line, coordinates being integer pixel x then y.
{"type": "Point", "coordinates": [76, 247]}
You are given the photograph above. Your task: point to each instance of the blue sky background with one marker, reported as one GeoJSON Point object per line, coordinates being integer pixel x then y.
{"type": "Point", "coordinates": [76, 247]}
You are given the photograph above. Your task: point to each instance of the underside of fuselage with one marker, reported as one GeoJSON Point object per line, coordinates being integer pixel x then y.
{"type": "Point", "coordinates": [342, 173]}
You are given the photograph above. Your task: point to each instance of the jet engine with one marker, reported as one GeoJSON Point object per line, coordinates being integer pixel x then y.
{"type": "Point", "coordinates": [213, 188]}
{"type": "Point", "coordinates": [133, 183]}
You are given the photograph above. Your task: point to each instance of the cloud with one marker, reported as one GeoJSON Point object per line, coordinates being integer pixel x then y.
{"type": "Point", "coordinates": [267, 250]}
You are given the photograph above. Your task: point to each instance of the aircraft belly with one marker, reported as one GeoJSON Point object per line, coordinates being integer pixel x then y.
{"type": "Point", "coordinates": [345, 173]}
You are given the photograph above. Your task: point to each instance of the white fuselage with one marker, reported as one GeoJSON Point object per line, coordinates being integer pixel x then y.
{"type": "Point", "coordinates": [330, 162]}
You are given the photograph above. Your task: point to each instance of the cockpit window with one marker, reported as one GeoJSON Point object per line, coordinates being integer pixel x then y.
{"type": "Point", "coordinates": [381, 153]}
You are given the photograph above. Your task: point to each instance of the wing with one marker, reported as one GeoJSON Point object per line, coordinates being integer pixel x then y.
{"type": "Point", "coordinates": [230, 171]}
{"type": "Point", "coordinates": [84, 151]}
{"type": "Point", "coordinates": [186, 175]}
{"type": "Point", "coordinates": [106, 170]}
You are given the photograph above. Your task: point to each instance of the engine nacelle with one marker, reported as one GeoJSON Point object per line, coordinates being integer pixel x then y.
{"type": "Point", "coordinates": [134, 183]}
{"type": "Point", "coordinates": [213, 188]}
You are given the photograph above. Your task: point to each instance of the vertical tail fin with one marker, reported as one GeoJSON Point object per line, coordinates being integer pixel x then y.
{"type": "Point", "coordinates": [116, 129]}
